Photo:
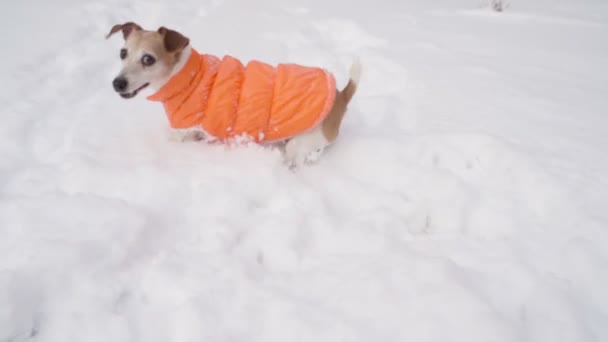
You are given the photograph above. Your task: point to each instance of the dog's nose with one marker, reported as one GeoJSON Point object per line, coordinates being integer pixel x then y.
{"type": "Point", "coordinates": [120, 84]}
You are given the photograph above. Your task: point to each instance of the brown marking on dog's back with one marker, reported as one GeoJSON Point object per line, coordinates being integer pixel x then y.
{"type": "Point", "coordinates": [331, 124]}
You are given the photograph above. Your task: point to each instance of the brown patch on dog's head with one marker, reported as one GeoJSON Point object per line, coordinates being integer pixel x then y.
{"type": "Point", "coordinates": [126, 29]}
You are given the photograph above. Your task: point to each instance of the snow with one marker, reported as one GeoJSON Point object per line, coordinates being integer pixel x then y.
{"type": "Point", "coordinates": [464, 200]}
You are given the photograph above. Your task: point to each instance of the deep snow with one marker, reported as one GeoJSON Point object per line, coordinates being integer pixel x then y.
{"type": "Point", "coordinates": [464, 201]}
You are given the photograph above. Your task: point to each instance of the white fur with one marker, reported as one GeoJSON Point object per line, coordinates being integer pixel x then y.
{"type": "Point", "coordinates": [181, 62]}
{"type": "Point", "coordinates": [135, 73]}
{"type": "Point", "coordinates": [305, 147]}
{"type": "Point", "coordinates": [187, 134]}
{"type": "Point", "coordinates": [355, 71]}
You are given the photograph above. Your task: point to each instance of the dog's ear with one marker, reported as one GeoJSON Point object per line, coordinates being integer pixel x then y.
{"type": "Point", "coordinates": [126, 29]}
{"type": "Point", "coordinates": [174, 41]}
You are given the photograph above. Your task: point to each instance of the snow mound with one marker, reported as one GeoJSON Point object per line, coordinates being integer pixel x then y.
{"type": "Point", "coordinates": [463, 201]}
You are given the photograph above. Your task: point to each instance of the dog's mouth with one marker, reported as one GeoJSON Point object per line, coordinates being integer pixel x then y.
{"type": "Point", "coordinates": [133, 93]}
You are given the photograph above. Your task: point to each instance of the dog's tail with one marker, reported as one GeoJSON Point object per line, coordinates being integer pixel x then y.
{"type": "Point", "coordinates": [353, 82]}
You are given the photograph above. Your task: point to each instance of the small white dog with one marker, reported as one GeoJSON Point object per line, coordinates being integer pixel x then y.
{"type": "Point", "coordinates": [206, 97]}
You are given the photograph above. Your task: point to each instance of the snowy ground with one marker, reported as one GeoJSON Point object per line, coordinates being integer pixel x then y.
{"type": "Point", "coordinates": [464, 201]}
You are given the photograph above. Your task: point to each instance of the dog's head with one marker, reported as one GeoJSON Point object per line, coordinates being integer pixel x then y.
{"type": "Point", "coordinates": [148, 57]}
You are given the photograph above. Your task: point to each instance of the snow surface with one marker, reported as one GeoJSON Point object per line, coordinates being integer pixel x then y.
{"type": "Point", "coordinates": [465, 200]}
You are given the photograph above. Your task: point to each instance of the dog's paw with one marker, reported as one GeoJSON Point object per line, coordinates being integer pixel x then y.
{"type": "Point", "coordinates": [184, 135]}
{"type": "Point", "coordinates": [294, 163]}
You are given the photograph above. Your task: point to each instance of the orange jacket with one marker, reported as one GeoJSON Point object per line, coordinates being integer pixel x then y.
{"type": "Point", "coordinates": [263, 102]}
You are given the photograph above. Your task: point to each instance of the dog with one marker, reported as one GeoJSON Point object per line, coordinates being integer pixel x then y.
{"type": "Point", "coordinates": [217, 99]}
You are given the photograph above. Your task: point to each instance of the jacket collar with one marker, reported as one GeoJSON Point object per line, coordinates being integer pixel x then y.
{"type": "Point", "coordinates": [180, 81]}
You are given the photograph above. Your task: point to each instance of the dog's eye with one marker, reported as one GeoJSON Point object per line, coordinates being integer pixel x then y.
{"type": "Point", "coordinates": [147, 60]}
{"type": "Point", "coordinates": [123, 53]}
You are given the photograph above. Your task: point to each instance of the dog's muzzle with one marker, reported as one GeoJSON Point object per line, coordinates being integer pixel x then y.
{"type": "Point", "coordinates": [120, 84]}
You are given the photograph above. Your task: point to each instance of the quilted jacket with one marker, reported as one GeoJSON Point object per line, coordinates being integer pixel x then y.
{"type": "Point", "coordinates": [228, 99]}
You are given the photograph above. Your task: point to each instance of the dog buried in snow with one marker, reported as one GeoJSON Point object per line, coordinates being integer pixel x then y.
{"type": "Point", "coordinates": [218, 99]}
